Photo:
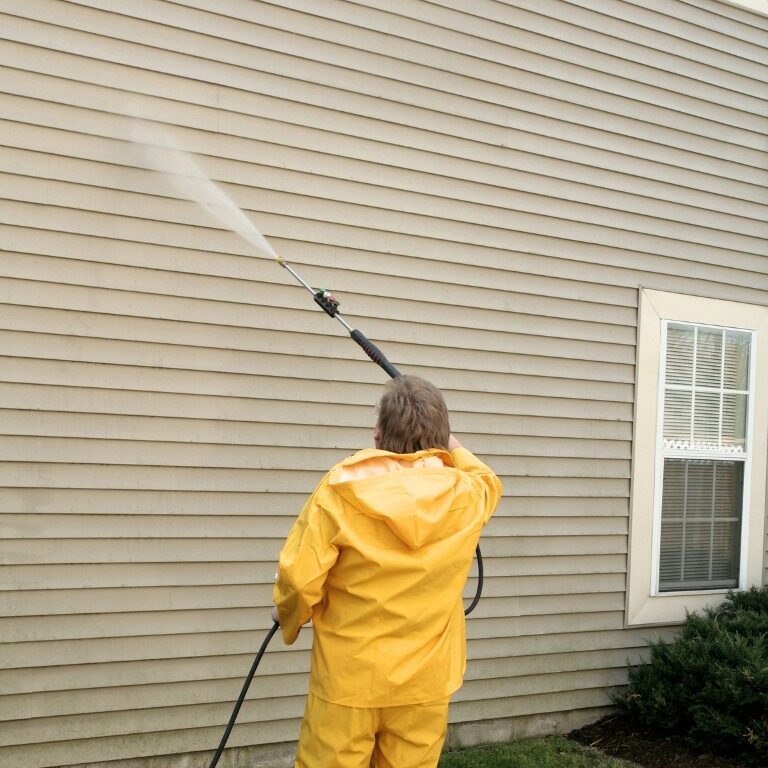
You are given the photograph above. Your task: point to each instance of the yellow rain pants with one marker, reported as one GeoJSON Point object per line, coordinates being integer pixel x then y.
{"type": "Point", "coordinates": [335, 736]}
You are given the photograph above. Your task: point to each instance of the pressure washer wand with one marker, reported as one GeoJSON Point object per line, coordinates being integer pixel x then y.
{"type": "Point", "coordinates": [328, 303]}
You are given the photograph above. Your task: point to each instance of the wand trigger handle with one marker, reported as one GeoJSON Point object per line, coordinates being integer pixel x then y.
{"type": "Point", "coordinates": [374, 353]}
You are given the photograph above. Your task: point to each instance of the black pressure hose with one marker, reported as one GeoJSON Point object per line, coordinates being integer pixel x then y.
{"type": "Point", "coordinates": [241, 698]}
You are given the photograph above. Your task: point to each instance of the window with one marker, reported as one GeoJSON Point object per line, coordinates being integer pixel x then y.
{"type": "Point", "coordinates": [702, 455]}
{"type": "Point", "coordinates": [699, 456]}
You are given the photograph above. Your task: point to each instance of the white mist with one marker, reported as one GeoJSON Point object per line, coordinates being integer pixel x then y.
{"type": "Point", "coordinates": [156, 150]}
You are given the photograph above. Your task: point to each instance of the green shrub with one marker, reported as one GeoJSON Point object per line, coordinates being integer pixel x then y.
{"type": "Point", "coordinates": [710, 684]}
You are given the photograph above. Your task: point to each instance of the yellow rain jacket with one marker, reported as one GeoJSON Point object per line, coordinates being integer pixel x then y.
{"type": "Point", "coordinates": [378, 558]}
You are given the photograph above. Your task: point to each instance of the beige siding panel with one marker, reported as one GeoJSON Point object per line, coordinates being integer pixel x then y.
{"type": "Point", "coordinates": [237, 123]}
{"type": "Point", "coordinates": [492, 183]}
{"type": "Point", "coordinates": [488, 229]}
{"type": "Point", "coordinates": [336, 358]}
{"type": "Point", "coordinates": [183, 300]}
{"type": "Point", "coordinates": [80, 259]}
{"type": "Point", "coordinates": [582, 37]}
{"type": "Point", "coordinates": [29, 475]}
{"type": "Point", "coordinates": [167, 400]}
{"type": "Point", "coordinates": [736, 39]}
{"type": "Point", "coordinates": [242, 549]}
{"type": "Point", "coordinates": [456, 199]}
{"type": "Point", "coordinates": [518, 670]}
{"type": "Point", "coordinates": [113, 375]}
{"type": "Point", "coordinates": [134, 453]}
{"type": "Point", "coordinates": [68, 399]}
{"type": "Point", "coordinates": [141, 502]}
{"type": "Point", "coordinates": [193, 702]}
{"type": "Point", "coordinates": [35, 578]}
{"type": "Point", "coordinates": [205, 692]}
{"type": "Point", "coordinates": [183, 622]}
{"type": "Point", "coordinates": [261, 331]}
{"type": "Point", "coordinates": [127, 229]}
{"type": "Point", "coordinates": [715, 16]}
{"type": "Point", "coordinates": [98, 426]}
{"type": "Point", "coordinates": [705, 226]}
{"type": "Point", "coordinates": [225, 24]}
{"type": "Point", "coordinates": [128, 660]}
{"type": "Point", "coordinates": [308, 128]}
{"type": "Point", "coordinates": [232, 666]}
{"type": "Point", "coordinates": [288, 53]}
{"type": "Point", "coordinates": [533, 31]}
{"type": "Point", "coordinates": [201, 738]}
{"type": "Point", "coordinates": [117, 601]}
{"type": "Point", "coordinates": [166, 573]}
{"type": "Point", "coordinates": [523, 511]}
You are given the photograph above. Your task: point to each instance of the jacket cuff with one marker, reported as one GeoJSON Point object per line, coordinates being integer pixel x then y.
{"type": "Point", "coordinates": [288, 628]}
{"type": "Point", "coordinates": [465, 459]}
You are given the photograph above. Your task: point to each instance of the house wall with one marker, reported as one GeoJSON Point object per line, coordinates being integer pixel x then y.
{"type": "Point", "coordinates": [484, 185]}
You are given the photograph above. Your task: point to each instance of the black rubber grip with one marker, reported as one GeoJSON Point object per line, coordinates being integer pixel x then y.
{"type": "Point", "coordinates": [374, 353]}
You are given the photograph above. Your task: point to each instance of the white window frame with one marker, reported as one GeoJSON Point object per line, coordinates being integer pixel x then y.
{"type": "Point", "coordinates": [645, 605]}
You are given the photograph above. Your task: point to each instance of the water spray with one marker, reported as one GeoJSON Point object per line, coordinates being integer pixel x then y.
{"type": "Point", "coordinates": [158, 152]}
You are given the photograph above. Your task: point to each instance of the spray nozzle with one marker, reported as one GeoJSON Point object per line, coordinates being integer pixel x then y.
{"type": "Point", "coordinates": [327, 301]}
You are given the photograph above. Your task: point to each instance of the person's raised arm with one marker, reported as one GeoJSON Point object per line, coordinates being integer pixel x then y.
{"type": "Point", "coordinates": [488, 485]}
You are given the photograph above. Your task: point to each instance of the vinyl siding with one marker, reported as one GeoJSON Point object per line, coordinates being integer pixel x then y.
{"type": "Point", "coordinates": [485, 185]}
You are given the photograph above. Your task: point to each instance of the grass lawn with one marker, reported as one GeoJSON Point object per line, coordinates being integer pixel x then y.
{"type": "Point", "coordinates": [550, 752]}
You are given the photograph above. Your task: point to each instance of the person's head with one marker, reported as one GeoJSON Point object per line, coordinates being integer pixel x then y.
{"type": "Point", "coordinates": [412, 416]}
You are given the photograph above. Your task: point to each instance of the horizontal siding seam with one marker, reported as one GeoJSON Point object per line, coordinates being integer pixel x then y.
{"type": "Point", "coordinates": [484, 227]}
{"type": "Point", "coordinates": [457, 72]}
{"type": "Point", "coordinates": [434, 277]}
{"type": "Point", "coordinates": [674, 18]}
{"type": "Point", "coordinates": [496, 21]}
{"type": "Point", "coordinates": [413, 190]}
{"type": "Point", "coordinates": [681, 260]}
{"type": "Point", "coordinates": [739, 12]}
{"type": "Point", "coordinates": [616, 188]}
{"type": "Point", "coordinates": [229, 398]}
{"type": "Point", "coordinates": [637, 137]}
{"type": "Point", "coordinates": [740, 15]}
{"type": "Point", "coordinates": [624, 20]}
{"type": "Point", "coordinates": [309, 308]}
{"type": "Point", "coordinates": [329, 338]}
{"type": "Point", "coordinates": [674, 113]}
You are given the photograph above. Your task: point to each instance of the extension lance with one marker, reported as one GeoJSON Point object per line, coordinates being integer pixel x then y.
{"type": "Point", "coordinates": [330, 305]}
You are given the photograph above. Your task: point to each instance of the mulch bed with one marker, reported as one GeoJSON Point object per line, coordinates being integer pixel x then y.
{"type": "Point", "coordinates": [614, 736]}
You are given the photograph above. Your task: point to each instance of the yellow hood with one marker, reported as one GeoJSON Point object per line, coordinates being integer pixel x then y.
{"type": "Point", "coordinates": [414, 494]}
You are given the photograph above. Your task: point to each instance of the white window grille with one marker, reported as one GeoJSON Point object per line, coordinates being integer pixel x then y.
{"type": "Point", "coordinates": [703, 457]}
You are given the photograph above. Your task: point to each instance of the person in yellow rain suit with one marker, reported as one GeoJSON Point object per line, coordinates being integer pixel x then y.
{"type": "Point", "coordinates": [377, 559]}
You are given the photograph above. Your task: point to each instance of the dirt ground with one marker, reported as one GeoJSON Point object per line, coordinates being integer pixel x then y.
{"type": "Point", "coordinates": [614, 736]}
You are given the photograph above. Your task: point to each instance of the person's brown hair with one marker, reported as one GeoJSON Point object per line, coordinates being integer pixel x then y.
{"type": "Point", "coordinates": [412, 416]}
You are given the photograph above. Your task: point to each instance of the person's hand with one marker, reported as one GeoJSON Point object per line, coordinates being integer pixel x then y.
{"type": "Point", "coordinates": [453, 443]}
{"type": "Point", "coordinates": [275, 616]}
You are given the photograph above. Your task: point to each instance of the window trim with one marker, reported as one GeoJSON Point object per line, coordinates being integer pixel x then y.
{"type": "Point", "coordinates": [644, 604]}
